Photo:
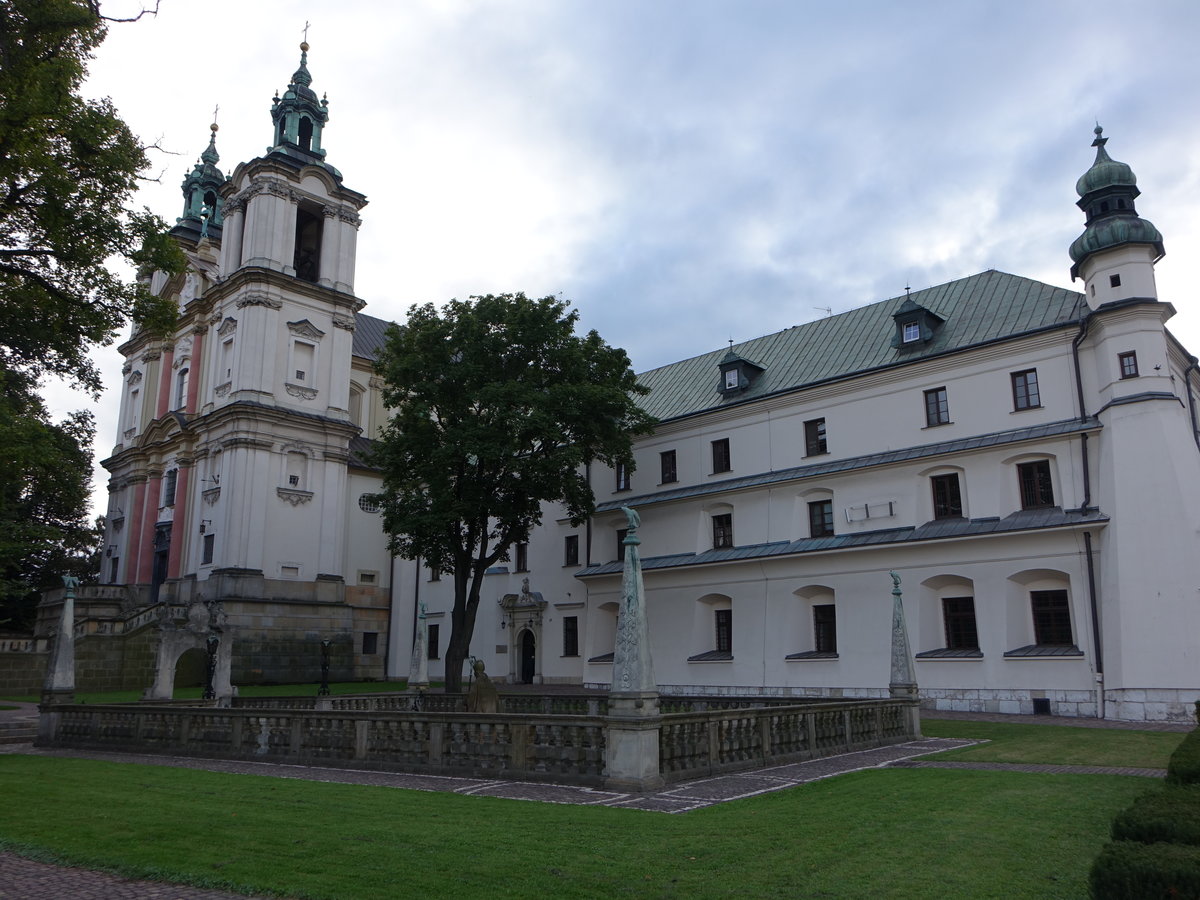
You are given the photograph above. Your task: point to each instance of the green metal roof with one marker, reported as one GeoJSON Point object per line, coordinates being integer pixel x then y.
{"type": "Point", "coordinates": [981, 309]}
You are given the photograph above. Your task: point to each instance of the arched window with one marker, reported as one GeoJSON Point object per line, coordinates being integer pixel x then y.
{"type": "Point", "coordinates": [305, 133]}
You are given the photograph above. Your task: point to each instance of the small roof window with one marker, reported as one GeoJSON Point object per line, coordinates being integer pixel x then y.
{"type": "Point", "coordinates": [915, 325]}
{"type": "Point", "coordinates": [737, 373]}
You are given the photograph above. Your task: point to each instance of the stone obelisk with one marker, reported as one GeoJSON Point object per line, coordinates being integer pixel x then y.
{"type": "Point", "coordinates": [59, 686]}
{"type": "Point", "coordinates": [631, 752]}
{"type": "Point", "coordinates": [903, 685]}
{"type": "Point", "coordinates": [418, 668]}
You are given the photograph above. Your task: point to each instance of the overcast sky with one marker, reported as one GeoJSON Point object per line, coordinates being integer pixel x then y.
{"type": "Point", "coordinates": [686, 172]}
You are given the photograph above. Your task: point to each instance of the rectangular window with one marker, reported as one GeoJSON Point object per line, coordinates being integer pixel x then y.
{"type": "Point", "coordinates": [1128, 363]}
{"type": "Point", "coordinates": [571, 550]}
{"type": "Point", "coordinates": [370, 643]}
{"type": "Point", "coordinates": [724, 623]}
{"type": "Point", "coordinates": [1036, 490]}
{"type": "Point", "coordinates": [621, 532]}
{"type": "Point", "coordinates": [820, 518]}
{"type": "Point", "coordinates": [937, 407]}
{"type": "Point", "coordinates": [912, 331]}
{"type": "Point", "coordinates": [522, 563]}
{"type": "Point", "coordinates": [814, 438]}
{"type": "Point", "coordinates": [206, 554]}
{"type": "Point", "coordinates": [114, 565]}
{"type": "Point", "coordinates": [1051, 617]}
{"type": "Point", "coordinates": [959, 615]}
{"type": "Point", "coordinates": [720, 456]}
{"type": "Point", "coordinates": [825, 628]}
{"type": "Point", "coordinates": [622, 477]}
{"type": "Point", "coordinates": [731, 380]}
{"type": "Point", "coordinates": [667, 461]}
{"type": "Point", "coordinates": [169, 482]}
{"type": "Point", "coordinates": [367, 577]}
{"type": "Point", "coordinates": [435, 575]}
{"type": "Point", "coordinates": [947, 499]}
{"type": "Point", "coordinates": [227, 357]}
{"type": "Point", "coordinates": [570, 636]}
{"type": "Point", "coordinates": [433, 650]}
{"type": "Point", "coordinates": [1114, 280]}
{"type": "Point", "coordinates": [722, 526]}
{"type": "Point", "coordinates": [1025, 390]}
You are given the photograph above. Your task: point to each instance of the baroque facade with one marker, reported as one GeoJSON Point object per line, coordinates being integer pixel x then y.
{"type": "Point", "coordinates": [1024, 456]}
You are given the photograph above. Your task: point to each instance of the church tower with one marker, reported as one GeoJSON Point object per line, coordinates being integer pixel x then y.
{"type": "Point", "coordinates": [1116, 253]}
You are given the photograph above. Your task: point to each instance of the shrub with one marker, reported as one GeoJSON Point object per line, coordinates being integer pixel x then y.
{"type": "Point", "coordinates": [1128, 870]}
{"type": "Point", "coordinates": [1184, 765]}
{"type": "Point", "coordinates": [1172, 815]}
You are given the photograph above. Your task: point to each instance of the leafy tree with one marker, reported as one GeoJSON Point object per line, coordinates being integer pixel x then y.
{"type": "Point", "coordinates": [68, 170]}
{"type": "Point", "coordinates": [44, 529]}
{"type": "Point", "coordinates": [498, 407]}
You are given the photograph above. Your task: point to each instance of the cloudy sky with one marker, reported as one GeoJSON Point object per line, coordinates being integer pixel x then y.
{"type": "Point", "coordinates": [685, 171]}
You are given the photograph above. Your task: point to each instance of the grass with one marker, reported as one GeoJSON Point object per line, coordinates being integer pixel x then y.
{"type": "Point", "coordinates": [892, 833]}
{"type": "Point", "coordinates": [1062, 745]}
{"type": "Point", "coordinates": [245, 690]}
{"type": "Point", "coordinates": [4, 706]}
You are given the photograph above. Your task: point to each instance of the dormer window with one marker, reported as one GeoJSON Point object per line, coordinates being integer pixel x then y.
{"type": "Point", "coordinates": [737, 374]}
{"type": "Point", "coordinates": [915, 325]}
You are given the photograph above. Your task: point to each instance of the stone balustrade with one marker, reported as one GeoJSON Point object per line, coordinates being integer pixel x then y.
{"type": "Point", "coordinates": [568, 745]}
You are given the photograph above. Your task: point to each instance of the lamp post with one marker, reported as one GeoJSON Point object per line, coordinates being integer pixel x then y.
{"type": "Point", "coordinates": [323, 690]}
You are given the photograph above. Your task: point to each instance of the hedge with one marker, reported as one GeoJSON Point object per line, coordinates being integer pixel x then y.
{"type": "Point", "coordinates": [1170, 815]}
{"type": "Point", "coordinates": [1184, 765]}
{"type": "Point", "coordinates": [1129, 870]}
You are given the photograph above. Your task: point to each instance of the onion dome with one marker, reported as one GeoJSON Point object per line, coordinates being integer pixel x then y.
{"type": "Point", "coordinates": [298, 115]}
{"type": "Point", "coordinates": [202, 195]}
{"type": "Point", "coordinates": [1107, 192]}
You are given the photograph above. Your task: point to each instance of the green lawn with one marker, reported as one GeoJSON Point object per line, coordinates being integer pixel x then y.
{"type": "Point", "coordinates": [880, 833]}
{"type": "Point", "coordinates": [1055, 744]}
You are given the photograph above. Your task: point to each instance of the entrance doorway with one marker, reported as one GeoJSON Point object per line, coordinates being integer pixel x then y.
{"type": "Point", "coordinates": [528, 648]}
{"type": "Point", "coordinates": [191, 668]}
{"type": "Point", "coordinates": [162, 553]}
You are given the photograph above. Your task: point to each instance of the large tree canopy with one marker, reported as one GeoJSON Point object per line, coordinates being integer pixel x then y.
{"type": "Point", "coordinates": [68, 171]}
{"type": "Point", "coordinates": [497, 407]}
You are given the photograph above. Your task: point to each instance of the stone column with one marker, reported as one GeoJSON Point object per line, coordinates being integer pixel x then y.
{"type": "Point", "coordinates": [903, 684]}
{"type": "Point", "coordinates": [631, 754]}
{"type": "Point", "coordinates": [418, 669]}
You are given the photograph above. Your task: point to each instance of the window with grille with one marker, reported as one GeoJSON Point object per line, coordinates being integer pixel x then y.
{"type": "Point", "coordinates": [522, 561]}
{"type": "Point", "coordinates": [370, 643]}
{"type": "Point", "coordinates": [1037, 491]}
{"type": "Point", "coordinates": [720, 456]}
{"type": "Point", "coordinates": [722, 526]}
{"type": "Point", "coordinates": [169, 482]}
{"type": "Point", "coordinates": [667, 462]}
{"type": "Point", "coordinates": [570, 636]}
{"type": "Point", "coordinates": [1025, 390]}
{"type": "Point", "coordinates": [1051, 617]}
{"type": "Point", "coordinates": [820, 518]}
{"type": "Point", "coordinates": [621, 532]}
{"type": "Point", "coordinates": [571, 550]}
{"type": "Point", "coordinates": [814, 438]}
{"type": "Point", "coordinates": [1129, 366]}
{"type": "Point", "coordinates": [622, 477]}
{"type": "Point", "coordinates": [937, 407]}
{"type": "Point", "coordinates": [434, 635]}
{"type": "Point", "coordinates": [825, 628]}
{"type": "Point", "coordinates": [947, 498]}
{"type": "Point", "coordinates": [959, 615]}
{"type": "Point", "coordinates": [724, 623]}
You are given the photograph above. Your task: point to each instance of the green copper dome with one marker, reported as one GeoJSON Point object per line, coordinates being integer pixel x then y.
{"type": "Point", "coordinates": [1107, 192]}
{"type": "Point", "coordinates": [1105, 171]}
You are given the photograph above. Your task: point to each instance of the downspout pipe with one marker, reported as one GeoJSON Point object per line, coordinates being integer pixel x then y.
{"type": "Point", "coordinates": [387, 647]}
{"type": "Point", "coordinates": [1084, 507]}
{"type": "Point", "coordinates": [1187, 384]}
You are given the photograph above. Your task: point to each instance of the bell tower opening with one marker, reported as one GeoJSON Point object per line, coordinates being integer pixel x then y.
{"type": "Point", "coordinates": [307, 259]}
{"type": "Point", "coordinates": [306, 132]}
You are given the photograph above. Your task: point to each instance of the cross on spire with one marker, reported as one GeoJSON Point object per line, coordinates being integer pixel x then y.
{"type": "Point", "coordinates": [306, 30]}
{"type": "Point", "coordinates": [216, 109]}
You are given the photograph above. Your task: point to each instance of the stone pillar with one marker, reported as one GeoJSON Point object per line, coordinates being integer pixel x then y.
{"type": "Point", "coordinates": [59, 686]}
{"type": "Point", "coordinates": [418, 669]}
{"type": "Point", "coordinates": [166, 374]}
{"type": "Point", "coordinates": [903, 684]}
{"type": "Point", "coordinates": [631, 754]}
{"type": "Point", "coordinates": [180, 533]}
{"type": "Point", "coordinates": [192, 403]}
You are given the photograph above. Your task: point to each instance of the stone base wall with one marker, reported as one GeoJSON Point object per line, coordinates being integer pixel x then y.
{"type": "Point", "coordinates": [23, 673]}
{"type": "Point", "coordinates": [115, 662]}
{"type": "Point", "coordinates": [1152, 705]}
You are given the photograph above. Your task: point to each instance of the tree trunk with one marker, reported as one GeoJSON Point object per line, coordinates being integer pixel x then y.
{"type": "Point", "coordinates": [462, 626]}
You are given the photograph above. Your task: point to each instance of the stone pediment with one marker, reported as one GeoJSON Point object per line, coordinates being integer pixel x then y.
{"type": "Point", "coordinates": [305, 328]}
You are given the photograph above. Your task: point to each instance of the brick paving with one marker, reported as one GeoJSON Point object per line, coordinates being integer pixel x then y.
{"type": "Point", "coordinates": [26, 879]}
